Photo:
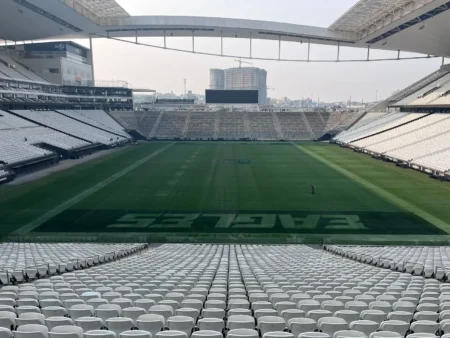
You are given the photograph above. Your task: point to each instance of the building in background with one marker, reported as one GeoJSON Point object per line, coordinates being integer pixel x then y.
{"type": "Point", "coordinates": [217, 79]}
{"type": "Point", "coordinates": [63, 63]}
{"type": "Point", "coordinates": [246, 78]}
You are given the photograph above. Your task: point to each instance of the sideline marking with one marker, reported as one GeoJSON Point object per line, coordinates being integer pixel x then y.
{"type": "Point", "coordinates": [88, 192]}
{"type": "Point", "coordinates": [379, 191]}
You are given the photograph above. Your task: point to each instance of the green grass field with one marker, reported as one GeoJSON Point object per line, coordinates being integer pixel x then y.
{"type": "Point", "coordinates": [224, 190]}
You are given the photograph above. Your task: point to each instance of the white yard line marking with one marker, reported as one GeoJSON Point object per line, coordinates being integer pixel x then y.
{"type": "Point", "coordinates": [88, 192]}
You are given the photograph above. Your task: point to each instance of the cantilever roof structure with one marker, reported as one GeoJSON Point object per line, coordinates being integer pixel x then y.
{"type": "Point", "coordinates": [366, 13]}
{"type": "Point", "coordinates": [419, 26]}
{"type": "Point", "coordinates": [101, 8]}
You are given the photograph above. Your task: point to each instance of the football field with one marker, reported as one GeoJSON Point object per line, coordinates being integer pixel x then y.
{"type": "Point", "coordinates": [223, 191]}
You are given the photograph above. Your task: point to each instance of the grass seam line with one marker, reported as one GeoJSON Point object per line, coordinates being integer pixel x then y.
{"type": "Point", "coordinates": [379, 191]}
{"type": "Point", "coordinates": [88, 192]}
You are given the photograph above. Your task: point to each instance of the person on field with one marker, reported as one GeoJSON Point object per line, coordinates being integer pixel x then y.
{"type": "Point", "coordinates": [313, 190]}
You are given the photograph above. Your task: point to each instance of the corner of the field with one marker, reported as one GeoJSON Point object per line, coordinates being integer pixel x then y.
{"type": "Point", "coordinates": [379, 191]}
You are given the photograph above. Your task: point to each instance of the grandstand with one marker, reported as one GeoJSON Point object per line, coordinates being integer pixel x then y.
{"type": "Point", "coordinates": [281, 235]}
{"type": "Point", "coordinates": [227, 125]}
{"type": "Point", "coordinates": [417, 140]}
{"type": "Point", "coordinates": [222, 290]}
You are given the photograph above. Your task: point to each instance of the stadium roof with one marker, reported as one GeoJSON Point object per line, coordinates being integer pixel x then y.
{"type": "Point", "coordinates": [367, 13]}
{"type": "Point", "coordinates": [102, 8]}
{"type": "Point", "coordinates": [419, 26]}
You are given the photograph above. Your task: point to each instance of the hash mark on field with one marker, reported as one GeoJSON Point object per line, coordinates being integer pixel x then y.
{"type": "Point", "coordinates": [88, 192]}
{"type": "Point", "coordinates": [184, 166]}
{"type": "Point", "coordinates": [179, 173]}
{"type": "Point", "coordinates": [172, 182]}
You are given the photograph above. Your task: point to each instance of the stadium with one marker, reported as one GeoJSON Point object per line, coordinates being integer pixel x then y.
{"type": "Point", "coordinates": [122, 219]}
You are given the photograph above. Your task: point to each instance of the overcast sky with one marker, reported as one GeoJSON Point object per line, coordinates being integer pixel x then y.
{"type": "Point", "coordinates": [164, 70]}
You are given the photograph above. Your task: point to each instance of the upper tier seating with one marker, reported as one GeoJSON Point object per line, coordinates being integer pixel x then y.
{"type": "Point", "coordinates": [435, 76]}
{"type": "Point", "coordinates": [427, 93]}
{"type": "Point", "coordinates": [72, 127]}
{"type": "Point", "coordinates": [12, 69]}
{"type": "Point", "coordinates": [250, 290]}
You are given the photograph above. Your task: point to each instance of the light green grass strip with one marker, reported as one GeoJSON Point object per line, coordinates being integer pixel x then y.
{"type": "Point", "coordinates": [379, 191]}
{"type": "Point", "coordinates": [88, 192]}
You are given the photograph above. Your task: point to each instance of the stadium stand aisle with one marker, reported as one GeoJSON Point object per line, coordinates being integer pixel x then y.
{"type": "Point", "coordinates": [262, 126]}
{"type": "Point", "coordinates": [232, 126]}
{"type": "Point", "coordinates": [171, 125]}
{"type": "Point", "coordinates": [127, 119]}
{"type": "Point", "coordinates": [294, 126]}
{"type": "Point", "coordinates": [147, 122]}
{"type": "Point", "coordinates": [427, 261]}
{"type": "Point", "coordinates": [201, 125]}
{"type": "Point", "coordinates": [237, 291]}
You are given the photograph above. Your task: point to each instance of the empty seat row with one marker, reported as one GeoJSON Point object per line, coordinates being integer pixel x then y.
{"type": "Point", "coordinates": [263, 290]}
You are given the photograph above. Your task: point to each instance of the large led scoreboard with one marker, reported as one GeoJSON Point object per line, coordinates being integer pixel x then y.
{"type": "Point", "coordinates": [231, 96]}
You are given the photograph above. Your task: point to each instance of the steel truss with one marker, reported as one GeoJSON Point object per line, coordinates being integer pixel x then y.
{"type": "Point", "coordinates": [252, 57]}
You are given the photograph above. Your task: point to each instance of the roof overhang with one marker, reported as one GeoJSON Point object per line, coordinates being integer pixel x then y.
{"type": "Point", "coordinates": [423, 29]}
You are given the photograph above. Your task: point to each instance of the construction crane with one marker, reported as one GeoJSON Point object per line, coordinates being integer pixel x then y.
{"type": "Point", "coordinates": [241, 62]}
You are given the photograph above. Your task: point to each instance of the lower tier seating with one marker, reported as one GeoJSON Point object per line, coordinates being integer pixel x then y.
{"type": "Point", "coordinates": [235, 125]}
{"type": "Point", "coordinates": [228, 290]}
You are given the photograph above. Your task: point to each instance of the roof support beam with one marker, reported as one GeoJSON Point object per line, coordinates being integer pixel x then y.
{"type": "Point", "coordinates": [338, 51]}
{"type": "Point", "coordinates": [309, 48]}
{"type": "Point", "coordinates": [250, 45]}
{"type": "Point", "coordinates": [279, 47]}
